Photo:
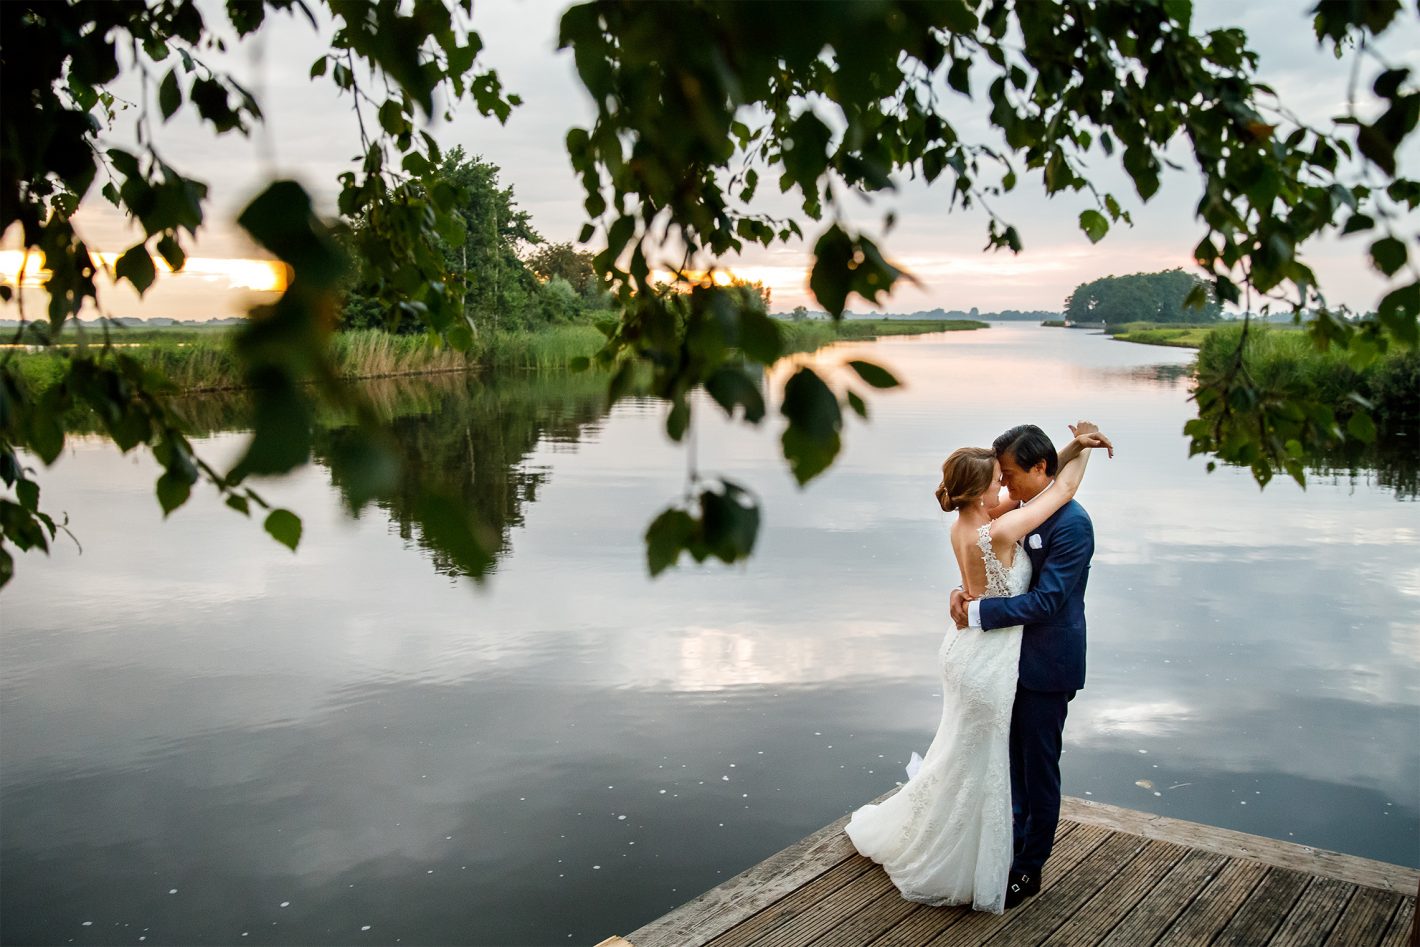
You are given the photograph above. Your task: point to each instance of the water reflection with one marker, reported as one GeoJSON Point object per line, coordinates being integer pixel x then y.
{"type": "Point", "coordinates": [572, 749]}
{"type": "Point", "coordinates": [461, 440]}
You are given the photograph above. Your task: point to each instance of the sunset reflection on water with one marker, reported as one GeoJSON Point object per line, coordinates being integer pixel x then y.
{"type": "Point", "coordinates": [205, 706]}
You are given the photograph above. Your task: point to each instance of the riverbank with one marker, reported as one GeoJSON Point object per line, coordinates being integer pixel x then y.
{"type": "Point", "coordinates": [1283, 359]}
{"type": "Point", "coordinates": [198, 360]}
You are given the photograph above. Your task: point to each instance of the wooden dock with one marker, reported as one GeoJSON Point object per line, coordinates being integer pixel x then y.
{"type": "Point", "coordinates": [1117, 877]}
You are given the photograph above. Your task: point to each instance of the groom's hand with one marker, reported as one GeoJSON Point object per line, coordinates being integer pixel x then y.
{"type": "Point", "coordinates": [958, 607]}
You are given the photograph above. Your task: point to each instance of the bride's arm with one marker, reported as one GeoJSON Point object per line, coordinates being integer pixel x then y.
{"type": "Point", "coordinates": [1012, 526]}
{"type": "Point", "coordinates": [1072, 450]}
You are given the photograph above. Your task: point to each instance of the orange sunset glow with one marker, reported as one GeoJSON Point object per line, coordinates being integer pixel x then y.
{"type": "Point", "coordinates": [263, 276]}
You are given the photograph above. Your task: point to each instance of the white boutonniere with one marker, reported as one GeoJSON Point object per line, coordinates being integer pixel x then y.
{"type": "Point", "coordinates": [1034, 541]}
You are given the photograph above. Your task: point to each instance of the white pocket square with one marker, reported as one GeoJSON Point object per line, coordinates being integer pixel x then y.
{"type": "Point", "coordinates": [1034, 541]}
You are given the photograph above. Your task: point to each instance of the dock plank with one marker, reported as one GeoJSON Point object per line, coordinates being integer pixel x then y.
{"type": "Point", "coordinates": [1215, 906]}
{"type": "Point", "coordinates": [1402, 929]}
{"type": "Point", "coordinates": [1260, 916]}
{"type": "Point", "coordinates": [1161, 907]}
{"type": "Point", "coordinates": [1118, 878]}
{"type": "Point", "coordinates": [815, 919]}
{"type": "Point", "coordinates": [760, 924]}
{"type": "Point", "coordinates": [1305, 858]}
{"type": "Point", "coordinates": [717, 910]}
{"type": "Point", "coordinates": [1051, 909]}
{"type": "Point", "coordinates": [977, 928]}
{"type": "Point", "coordinates": [1365, 919]}
{"type": "Point", "coordinates": [1119, 897]}
{"type": "Point", "coordinates": [1316, 913]}
{"type": "Point", "coordinates": [880, 916]}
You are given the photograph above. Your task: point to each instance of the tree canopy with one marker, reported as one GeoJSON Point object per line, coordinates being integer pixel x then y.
{"type": "Point", "coordinates": [1143, 297]}
{"type": "Point", "coordinates": [481, 255]}
{"type": "Point", "coordinates": [698, 106]}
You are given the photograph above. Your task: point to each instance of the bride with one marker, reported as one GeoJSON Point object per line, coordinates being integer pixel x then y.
{"type": "Point", "coordinates": [945, 836]}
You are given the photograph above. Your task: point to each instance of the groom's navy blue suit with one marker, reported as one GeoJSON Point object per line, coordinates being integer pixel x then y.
{"type": "Point", "coordinates": [1052, 669]}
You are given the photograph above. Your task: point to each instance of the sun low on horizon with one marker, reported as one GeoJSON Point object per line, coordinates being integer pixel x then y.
{"type": "Point", "coordinates": [204, 288]}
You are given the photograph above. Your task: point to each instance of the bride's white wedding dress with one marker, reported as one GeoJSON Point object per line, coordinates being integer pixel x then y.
{"type": "Point", "coordinates": [945, 836]}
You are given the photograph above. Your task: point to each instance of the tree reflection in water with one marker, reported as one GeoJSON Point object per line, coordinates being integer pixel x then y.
{"type": "Point", "coordinates": [462, 441]}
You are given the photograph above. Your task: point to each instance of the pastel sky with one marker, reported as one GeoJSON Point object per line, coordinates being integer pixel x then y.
{"type": "Point", "coordinates": [311, 135]}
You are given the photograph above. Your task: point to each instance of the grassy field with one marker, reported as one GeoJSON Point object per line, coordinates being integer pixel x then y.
{"type": "Point", "coordinates": [202, 359]}
{"type": "Point", "coordinates": [1152, 333]}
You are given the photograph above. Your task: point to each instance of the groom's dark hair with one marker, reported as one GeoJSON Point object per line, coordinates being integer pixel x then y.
{"type": "Point", "coordinates": [1028, 445]}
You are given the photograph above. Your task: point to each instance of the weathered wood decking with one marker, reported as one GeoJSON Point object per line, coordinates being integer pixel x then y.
{"type": "Point", "coordinates": [1117, 877]}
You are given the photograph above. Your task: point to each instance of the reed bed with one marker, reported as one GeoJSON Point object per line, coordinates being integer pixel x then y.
{"type": "Point", "coordinates": [1287, 361]}
{"type": "Point", "coordinates": [203, 360]}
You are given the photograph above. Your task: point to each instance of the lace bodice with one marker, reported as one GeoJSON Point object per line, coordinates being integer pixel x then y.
{"type": "Point", "coordinates": [999, 576]}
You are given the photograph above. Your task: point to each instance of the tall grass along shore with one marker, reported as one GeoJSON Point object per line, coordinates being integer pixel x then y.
{"type": "Point", "coordinates": [1282, 360]}
{"type": "Point", "coordinates": [202, 359]}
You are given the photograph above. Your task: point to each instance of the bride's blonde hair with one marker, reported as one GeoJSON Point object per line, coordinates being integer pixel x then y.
{"type": "Point", "coordinates": [966, 475]}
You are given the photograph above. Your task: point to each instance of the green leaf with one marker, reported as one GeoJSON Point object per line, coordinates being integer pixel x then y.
{"type": "Point", "coordinates": [1388, 254]}
{"type": "Point", "coordinates": [875, 375]}
{"type": "Point", "coordinates": [136, 266]}
{"type": "Point", "coordinates": [811, 441]}
{"type": "Point", "coordinates": [760, 336]}
{"type": "Point", "coordinates": [1094, 224]}
{"type": "Point", "coordinates": [171, 252]}
{"type": "Point", "coordinates": [281, 220]}
{"type": "Point", "coordinates": [391, 117]}
{"type": "Point", "coordinates": [859, 406]}
{"type": "Point", "coordinates": [285, 527]}
{"type": "Point", "coordinates": [732, 387]}
{"type": "Point", "coordinates": [831, 278]}
{"type": "Point", "coordinates": [169, 94]}
{"type": "Point", "coordinates": [27, 492]}
{"type": "Point", "coordinates": [729, 522]}
{"type": "Point", "coordinates": [173, 491]}
{"type": "Point", "coordinates": [1361, 427]}
{"type": "Point", "coordinates": [678, 421]}
{"type": "Point", "coordinates": [282, 426]}
{"type": "Point", "coordinates": [667, 536]}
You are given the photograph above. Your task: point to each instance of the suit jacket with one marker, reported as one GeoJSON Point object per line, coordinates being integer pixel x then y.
{"type": "Point", "coordinates": [1053, 609]}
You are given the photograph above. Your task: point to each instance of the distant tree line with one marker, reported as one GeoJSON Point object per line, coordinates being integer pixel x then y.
{"type": "Point", "coordinates": [1005, 315]}
{"type": "Point", "coordinates": [1169, 296]}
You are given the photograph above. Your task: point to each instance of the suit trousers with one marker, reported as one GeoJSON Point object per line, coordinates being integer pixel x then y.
{"type": "Point", "coordinates": [1037, 721]}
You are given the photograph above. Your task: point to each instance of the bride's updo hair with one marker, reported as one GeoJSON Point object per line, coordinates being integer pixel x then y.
{"type": "Point", "coordinates": [966, 475]}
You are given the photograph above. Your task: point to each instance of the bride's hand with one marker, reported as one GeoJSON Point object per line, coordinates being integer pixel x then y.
{"type": "Point", "coordinates": [1094, 439]}
{"type": "Point", "coordinates": [1084, 427]}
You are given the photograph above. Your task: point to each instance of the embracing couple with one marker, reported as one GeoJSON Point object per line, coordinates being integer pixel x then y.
{"type": "Point", "coordinates": [975, 822]}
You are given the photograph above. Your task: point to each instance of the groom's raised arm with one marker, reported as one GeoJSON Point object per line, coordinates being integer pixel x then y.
{"type": "Point", "coordinates": [1070, 550]}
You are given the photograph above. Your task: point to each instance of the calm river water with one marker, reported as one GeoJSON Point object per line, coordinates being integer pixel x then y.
{"type": "Point", "coordinates": [206, 739]}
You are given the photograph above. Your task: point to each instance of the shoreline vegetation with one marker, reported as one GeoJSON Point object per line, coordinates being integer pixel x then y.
{"type": "Point", "coordinates": [1188, 336]}
{"type": "Point", "coordinates": [1281, 359]}
{"type": "Point", "coordinates": [195, 360]}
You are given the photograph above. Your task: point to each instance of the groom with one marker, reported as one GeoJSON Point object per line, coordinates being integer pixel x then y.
{"type": "Point", "coordinates": [1052, 647]}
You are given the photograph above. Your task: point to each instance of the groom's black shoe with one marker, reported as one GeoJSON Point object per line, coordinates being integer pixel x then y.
{"type": "Point", "coordinates": [1019, 887]}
